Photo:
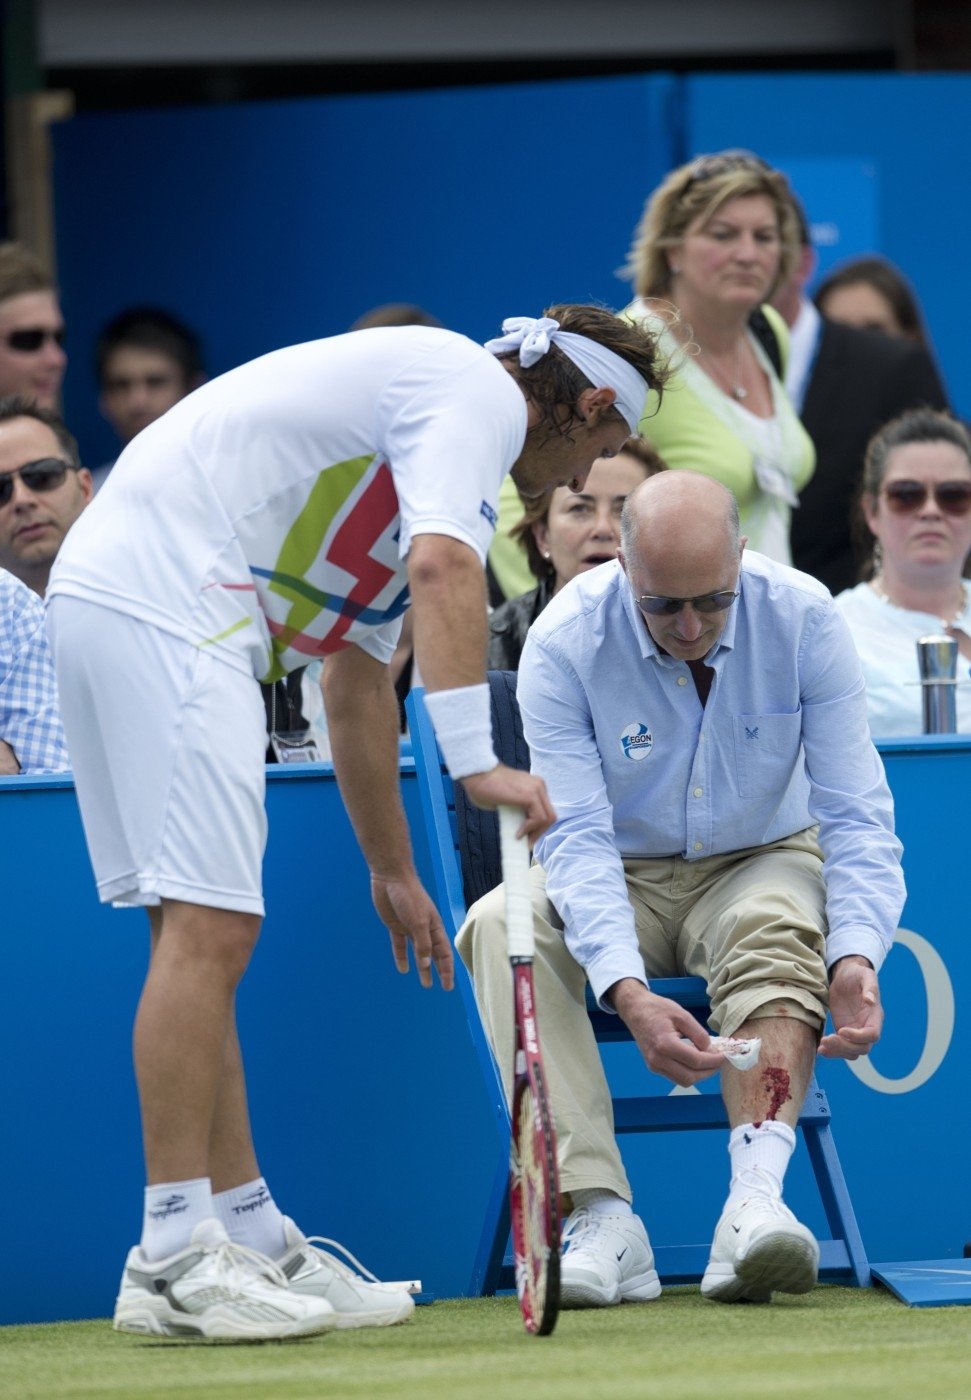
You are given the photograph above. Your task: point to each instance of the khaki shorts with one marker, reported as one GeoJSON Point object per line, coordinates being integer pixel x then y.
{"type": "Point", "coordinates": [749, 923]}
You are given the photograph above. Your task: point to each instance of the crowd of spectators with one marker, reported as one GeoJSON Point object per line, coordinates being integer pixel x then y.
{"type": "Point", "coordinates": [722, 265]}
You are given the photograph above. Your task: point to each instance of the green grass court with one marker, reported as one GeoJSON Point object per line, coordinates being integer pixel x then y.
{"type": "Point", "coordinates": [838, 1343]}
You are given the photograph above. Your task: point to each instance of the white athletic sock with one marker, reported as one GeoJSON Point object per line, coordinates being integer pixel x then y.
{"type": "Point", "coordinates": [172, 1212]}
{"type": "Point", "coordinates": [768, 1147]}
{"type": "Point", "coordinates": [600, 1202]}
{"type": "Point", "coordinates": [251, 1217]}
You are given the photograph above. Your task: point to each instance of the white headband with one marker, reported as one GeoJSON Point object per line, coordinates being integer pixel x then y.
{"type": "Point", "coordinates": [533, 336]}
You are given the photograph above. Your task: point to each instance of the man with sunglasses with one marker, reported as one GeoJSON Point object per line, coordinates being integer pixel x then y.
{"type": "Point", "coordinates": [699, 717]}
{"type": "Point", "coordinates": [32, 358]}
{"type": "Point", "coordinates": [43, 489]}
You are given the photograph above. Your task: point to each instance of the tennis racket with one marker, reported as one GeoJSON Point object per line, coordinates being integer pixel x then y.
{"type": "Point", "coordinates": [534, 1196]}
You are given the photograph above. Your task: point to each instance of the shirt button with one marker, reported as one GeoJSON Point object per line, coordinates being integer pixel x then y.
{"type": "Point", "coordinates": [698, 792]}
{"type": "Point", "coordinates": [698, 846]}
{"type": "Point", "coordinates": [682, 680]}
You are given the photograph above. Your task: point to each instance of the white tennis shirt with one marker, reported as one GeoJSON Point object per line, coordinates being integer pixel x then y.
{"type": "Point", "coordinates": [269, 514]}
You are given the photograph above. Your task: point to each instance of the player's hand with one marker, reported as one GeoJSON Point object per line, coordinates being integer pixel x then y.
{"type": "Point", "coordinates": [671, 1041]}
{"type": "Point", "coordinates": [511, 787]}
{"type": "Point", "coordinates": [410, 917]}
{"type": "Point", "coordinates": [854, 1004]}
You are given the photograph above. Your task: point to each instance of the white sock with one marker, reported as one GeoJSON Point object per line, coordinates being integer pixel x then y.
{"type": "Point", "coordinates": [600, 1202]}
{"type": "Point", "coordinates": [768, 1147]}
{"type": "Point", "coordinates": [172, 1212]}
{"type": "Point", "coordinates": [251, 1217]}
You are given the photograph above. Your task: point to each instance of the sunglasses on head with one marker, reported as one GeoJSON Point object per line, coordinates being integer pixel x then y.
{"type": "Point", "coordinates": [906, 497]}
{"type": "Point", "coordinates": [44, 475]}
{"type": "Point", "coordinates": [656, 605]}
{"type": "Point", "coordinates": [706, 167]}
{"type": "Point", "coordinates": [30, 340]}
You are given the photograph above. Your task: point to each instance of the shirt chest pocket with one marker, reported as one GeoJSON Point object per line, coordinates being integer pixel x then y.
{"type": "Point", "coordinates": [766, 752]}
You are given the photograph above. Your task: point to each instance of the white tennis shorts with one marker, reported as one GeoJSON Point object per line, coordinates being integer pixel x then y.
{"type": "Point", "coordinates": [167, 746]}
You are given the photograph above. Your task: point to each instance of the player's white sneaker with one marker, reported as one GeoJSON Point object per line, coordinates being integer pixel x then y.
{"type": "Point", "coordinates": [607, 1259]}
{"type": "Point", "coordinates": [356, 1296]}
{"type": "Point", "coordinates": [214, 1290]}
{"type": "Point", "coordinates": [759, 1249]}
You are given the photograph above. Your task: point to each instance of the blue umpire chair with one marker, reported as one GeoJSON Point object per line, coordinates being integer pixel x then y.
{"type": "Point", "coordinates": [464, 844]}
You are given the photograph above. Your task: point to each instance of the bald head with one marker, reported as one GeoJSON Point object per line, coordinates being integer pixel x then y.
{"type": "Point", "coordinates": [680, 539]}
{"type": "Point", "coordinates": [678, 512]}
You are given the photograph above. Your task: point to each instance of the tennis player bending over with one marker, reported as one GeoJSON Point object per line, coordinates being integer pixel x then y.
{"type": "Point", "coordinates": [699, 716]}
{"type": "Point", "coordinates": [285, 511]}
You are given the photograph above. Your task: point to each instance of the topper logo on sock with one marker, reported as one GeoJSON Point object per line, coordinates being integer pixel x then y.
{"type": "Point", "coordinates": [636, 741]}
{"type": "Point", "coordinates": [490, 515]}
{"type": "Point", "coordinates": [255, 1201]}
{"type": "Point", "coordinates": [172, 1205]}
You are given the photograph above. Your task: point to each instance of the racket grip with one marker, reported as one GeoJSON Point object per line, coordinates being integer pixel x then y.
{"type": "Point", "coordinates": [515, 877]}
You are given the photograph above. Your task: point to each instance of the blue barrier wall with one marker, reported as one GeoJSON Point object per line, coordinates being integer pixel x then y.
{"type": "Point", "coordinates": [369, 1112]}
{"type": "Point", "coordinates": [371, 1118]}
{"type": "Point", "coordinates": [264, 224]}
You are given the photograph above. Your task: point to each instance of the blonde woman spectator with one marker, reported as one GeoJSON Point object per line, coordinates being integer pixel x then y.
{"type": "Point", "coordinates": [716, 238]}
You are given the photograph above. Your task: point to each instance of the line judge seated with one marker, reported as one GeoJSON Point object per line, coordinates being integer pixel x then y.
{"type": "Point", "coordinates": [699, 717]}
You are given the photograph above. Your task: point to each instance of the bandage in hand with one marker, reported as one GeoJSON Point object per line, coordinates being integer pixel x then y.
{"type": "Point", "coordinates": [743, 1054]}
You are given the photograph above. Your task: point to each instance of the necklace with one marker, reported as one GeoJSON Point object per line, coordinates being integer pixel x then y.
{"type": "Point", "coordinates": [732, 386]}
{"type": "Point", "coordinates": [876, 584]}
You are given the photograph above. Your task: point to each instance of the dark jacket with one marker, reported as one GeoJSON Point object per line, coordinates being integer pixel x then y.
{"type": "Point", "coordinates": [509, 624]}
{"type": "Point", "coordinates": [859, 380]}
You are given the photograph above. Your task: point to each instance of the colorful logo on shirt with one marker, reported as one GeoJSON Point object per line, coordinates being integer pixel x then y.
{"type": "Point", "coordinates": [490, 515]}
{"type": "Point", "coordinates": [341, 540]}
{"type": "Point", "coordinates": [636, 741]}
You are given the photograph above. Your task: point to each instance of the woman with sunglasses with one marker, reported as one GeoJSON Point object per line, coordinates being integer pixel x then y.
{"type": "Point", "coordinates": [916, 504]}
{"type": "Point", "coordinates": [716, 238]}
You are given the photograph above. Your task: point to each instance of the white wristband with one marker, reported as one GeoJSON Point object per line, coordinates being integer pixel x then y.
{"type": "Point", "coordinates": [463, 727]}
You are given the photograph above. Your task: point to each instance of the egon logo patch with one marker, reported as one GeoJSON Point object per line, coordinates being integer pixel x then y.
{"type": "Point", "coordinates": [636, 741]}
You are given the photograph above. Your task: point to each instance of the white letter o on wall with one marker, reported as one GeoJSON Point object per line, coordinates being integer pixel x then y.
{"type": "Point", "coordinates": [940, 1022]}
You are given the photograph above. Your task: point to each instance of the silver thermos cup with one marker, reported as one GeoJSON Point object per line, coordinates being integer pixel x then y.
{"type": "Point", "coordinates": [937, 658]}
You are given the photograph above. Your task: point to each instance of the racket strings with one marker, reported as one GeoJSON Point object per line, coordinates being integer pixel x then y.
{"type": "Point", "coordinates": [535, 1214]}
{"type": "Point", "coordinates": [538, 1233]}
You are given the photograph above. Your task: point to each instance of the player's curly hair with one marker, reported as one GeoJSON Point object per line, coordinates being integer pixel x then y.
{"type": "Point", "coordinates": [554, 383]}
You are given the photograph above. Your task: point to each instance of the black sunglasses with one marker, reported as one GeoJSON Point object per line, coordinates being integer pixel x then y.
{"type": "Point", "coordinates": [44, 475]}
{"type": "Point", "coordinates": [656, 605]}
{"type": "Point", "coordinates": [906, 497]}
{"type": "Point", "coordinates": [29, 341]}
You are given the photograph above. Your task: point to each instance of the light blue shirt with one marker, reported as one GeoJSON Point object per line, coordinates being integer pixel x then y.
{"type": "Point", "coordinates": [30, 721]}
{"type": "Point", "coordinates": [636, 767]}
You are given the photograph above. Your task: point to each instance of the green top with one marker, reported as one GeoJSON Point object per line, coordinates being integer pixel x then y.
{"type": "Point", "coordinates": [765, 462]}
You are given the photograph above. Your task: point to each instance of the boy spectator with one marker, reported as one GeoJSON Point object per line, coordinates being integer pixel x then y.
{"type": "Point", "coordinates": [147, 360]}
